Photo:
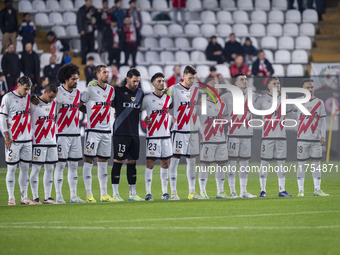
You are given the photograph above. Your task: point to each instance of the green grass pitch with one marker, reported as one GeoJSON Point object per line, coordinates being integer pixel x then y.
{"type": "Point", "coordinates": [272, 225]}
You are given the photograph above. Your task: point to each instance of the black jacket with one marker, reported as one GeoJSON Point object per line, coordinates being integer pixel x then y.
{"type": "Point", "coordinates": [230, 48]}
{"type": "Point", "coordinates": [83, 23]}
{"type": "Point", "coordinates": [256, 65]}
{"type": "Point", "coordinates": [209, 52]}
{"type": "Point", "coordinates": [8, 22]}
{"type": "Point", "coordinates": [11, 64]}
{"type": "Point", "coordinates": [30, 64]}
{"type": "Point", "coordinates": [51, 73]}
{"type": "Point", "coordinates": [108, 38]}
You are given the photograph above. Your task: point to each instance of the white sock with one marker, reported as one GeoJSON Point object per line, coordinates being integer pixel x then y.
{"type": "Point", "coordinates": [48, 180]}
{"type": "Point", "coordinates": [301, 175]}
{"type": "Point", "coordinates": [148, 180]}
{"type": "Point", "coordinates": [132, 189]}
{"type": "Point", "coordinates": [72, 176]}
{"type": "Point", "coordinates": [263, 174]}
{"type": "Point", "coordinates": [317, 176]}
{"type": "Point", "coordinates": [10, 180]}
{"type": "Point", "coordinates": [115, 189]}
{"type": "Point", "coordinates": [243, 175]}
{"type": "Point", "coordinates": [220, 178]}
{"type": "Point", "coordinates": [202, 179]}
{"type": "Point", "coordinates": [102, 177]}
{"type": "Point", "coordinates": [191, 174]}
{"type": "Point", "coordinates": [58, 178]}
{"type": "Point", "coordinates": [34, 180]}
{"type": "Point", "coordinates": [87, 175]}
{"type": "Point", "coordinates": [281, 175]}
{"type": "Point", "coordinates": [164, 180]}
{"type": "Point", "coordinates": [232, 176]}
{"type": "Point", "coordinates": [173, 174]}
{"type": "Point", "coordinates": [23, 178]}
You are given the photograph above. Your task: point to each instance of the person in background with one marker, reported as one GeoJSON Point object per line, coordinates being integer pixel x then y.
{"type": "Point", "coordinates": [103, 23]}
{"type": "Point", "coordinates": [249, 51]}
{"type": "Point", "coordinates": [30, 63]}
{"type": "Point", "coordinates": [89, 70]}
{"type": "Point", "coordinates": [214, 51]}
{"type": "Point", "coordinates": [112, 42]}
{"type": "Point", "coordinates": [262, 67]}
{"type": "Point", "coordinates": [3, 85]}
{"type": "Point", "coordinates": [114, 81]}
{"type": "Point", "coordinates": [8, 26]}
{"type": "Point", "coordinates": [56, 45]}
{"type": "Point", "coordinates": [52, 69]}
{"type": "Point", "coordinates": [179, 7]}
{"type": "Point", "coordinates": [134, 14]}
{"type": "Point", "coordinates": [119, 13]}
{"type": "Point", "coordinates": [27, 29]}
{"type": "Point", "coordinates": [239, 67]}
{"type": "Point", "coordinates": [131, 40]}
{"type": "Point", "coordinates": [217, 77]}
{"type": "Point", "coordinates": [175, 78]}
{"type": "Point", "coordinates": [11, 67]}
{"type": "Point", "coordinates": [232, 48]}
{"type": "Point", "coordinates": [41, 85]}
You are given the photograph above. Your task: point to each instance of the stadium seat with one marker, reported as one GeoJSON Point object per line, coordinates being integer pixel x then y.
{"type": "Point", "coordinates": [293, 16]}
{"type": "Point", "coordinates": [151, 43]}
{"type": "Point", "coordinates": [56, 19]}
{"type": "Point", "coordinates": [198, 57]}
{"type": "Point", "coordinates": [97, 4]}
{"type": "Point", "coordinates": [303, 42]}
{"type": "Point", "coordinates": [279, 5]}
{"type": "Point", "coordinates": [143, 72]}
{"type": "Point", "coordinates": [161, 6]}
{"type": "Point", "coordinates": [193, 17]}
{"type": "Point", "coordinates": [269, 55]}
{"type": "Point", "coordinates": [262, 5]}
{"type": "Point", "coordinates": [223, 70]}
{"type": "Point", "coordinates": [59, 31]}
{"type": "Point", "coordinates": [208, 30]}
{"type": "Point", "coordinates": [282, 57]}
{"type": "Point", "coordinates": [153, 69]}
{"type": "Point", "coordinates": [295, 70]}
{"type": "Point", "coordinates": [143, 5]}
{"type": "Point", "coordinates": [25, 6]}
{"type": "Point", "coordinates": [152, 57]}
{"type": "Point", "coordinates": [168, 71]}
{"type": "Point", "coordinates": [147, 30]}
{"type": "Point", "coordinates": [257, 30]}
{"type": "Point", "coordinates": [39, 6]}
{"type": "Point", "coordinates": [146, 17]}
{"type": "Point", "coordinates": [290, 29]}
{"type": "Point", "coordinates": [160, 30]}
{"type": "Point", "coordinates": [97, 58]}
{"type": "Point", "coordinates": [253, 40]}
{"type": "Point", "coordinates": [140, 59]}
{"type": "Point", "coordinates": [223, 30]}
{"type": "Point", "coordinates": [175, 29]}
{"type": "Point", "coordinates": [167, 57]}
{"type": "Point", "coordinates": [246, 5]}
{"type": "Point", "coordinates": [72, 31]}
{"type": "Point", "coordinates": [228, 5]}
{"type": "Point", "coordinates": [307, 29]}
{"type": "Point", "coordinates": [258, 16]}
{"type": "Point", "coordinates": [276, 16]}
{"type": "Point", "coordinates": [41, 19]}
{"type": "Point", "coordinates": [147, 86]}
{"type": "Point", "coordinates": [300, 56]}
{"type": "Point", "coordinates": [194, 5]}
{"type": "Point", "coordinates": [279, 71]}
{"type": "Point", "coordinates": [70, 18]}
{"type": "Point", "coordinates": [310, 16]}
{"type": "Point", "coordinates": [19, 47]}
{"type": "Point", "coordinates": [224, 17]}
{"type": "Point", "coordinates": [210, 4]}
{"type": "Point", "coordinates": [67, 5]}
{"type": "Point", "coordinates": [45, 59]}
{"type": "Point", "coordinates": [52, 5]}
{"type": "Point", "coordinates": [240, 30]}
{"type": "Point", "coordinates": [208, 17]}
{"type": "Point", "coordinates": [241, 17]}
{"type": "Point", "coordinates": [200, 43]}
{"type": "Point", "coordinates": [166, 43]}
{"type": "Point", "coordinates": [182, 57]}
{"type": "Point", "coordinates": [274, 30]}
{"type": "Point", "coordinates": [79, 3]}
{"type": "Point", "coordinates": [286, 43]}
{"type": "Point", "coordinates": [269, 42]}
{"type": "Point", "coordinates": [75, 45]}
{"type": "Point", "coordinates": [203, 71]}
{"type": "Point", "coordinates": [192, 30]}
{"type": "Point", "coordinates": [182, 43]}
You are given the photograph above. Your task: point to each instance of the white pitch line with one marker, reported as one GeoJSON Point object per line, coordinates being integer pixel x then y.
{"type": "Point", "coordinates": [174, 228]}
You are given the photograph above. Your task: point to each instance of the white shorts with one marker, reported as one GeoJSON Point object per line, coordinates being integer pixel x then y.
{"type": "Point", "coordinates": [273, 149]}
{"type": "Point", "coordinates": [214, 153]}
{"type": "Point", "coordinates": [45, 154]}
{"type": "Point", "coordinates": [97, 145]}
{"type": "Point", "coordinates": [69, 148]}
{"type": "Point", "coordinates": [185, 144]}
{"type": "Point", "coordinates": [19, 152]}
{"type": "Point", "coordinates": [158, 148]}
{"type": "Point", "coordinates": [239, 147]}
{"type": "Point", "coordinates": [309, 150]}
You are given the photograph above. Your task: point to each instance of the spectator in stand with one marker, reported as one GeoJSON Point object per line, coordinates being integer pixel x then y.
{"type": "Point", "coordinates": [318, 5]}
{"type": "Point", "coordinates": [27, 30]}
{"type": "Point", "coordinates": [214, 51]}
{"type": "Point", "coordinates": [131, 40]}
{"type": "Point", "coordinates": [249, 51]}
{"type": "Point", "coordinates": [114, 81]}
{"type": "Point", "coordinates": [3, 86]}
{"type": "Point", "coordinates": [239, 67]}
{"type": "Point", "coordinates": [179, 7]}
{"type": "Point", "coordinates": [30, 63]}
{"type": "Point", "coordinates": [134, 14]}
{"type": "Point", "coordinates": [119, 13]}
{"type": "Point", "coordinates": [89, 70]}
{"type": "Point", "coordinates": [217, 77]}
{"type": "Point", "coordinates": [10, 65]}
{"type": "Point", "coordinates": [262, 67]}
{"type": "Point", "coordinates": [113, 42]}
{"type": "Point", "coordinates": [39, 88]}
{"type": "Point", "coordinates": [175, 78]}
{"type": "Point", "coordinates": [9, 26]}
{"type": "Point", "coordinates": [52, 69]}
{"type": "Point", "coordinates": [232, 48]}
{"type": "Point", "coordinates": [56, 44]}
{"type": "Point", "coordinates": [86, 24]}
{"type": "Point", "coordinates": [103, 23]}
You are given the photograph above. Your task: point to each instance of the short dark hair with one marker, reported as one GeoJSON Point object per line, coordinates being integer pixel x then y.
{"type": "Point", "coordinates": [90, 58]}
{"type": "Point", "coordinates": [66, 71]}
{"type": "Point", "coordinates": [97, 69]}
{"type": "Point", "coordinates": [212, 69]}
{"type": "Point", "coordinates": [50, 33]}
{"type": "Point", "coordinates": [237, 75]}
{"type": "Point", "coordinates": [231, 34]}
{"type": "Point", "coordinates": [51, 87]}
{"type": "Point", "coordinates": [271, 78]}
{"type": "Point", "coordinates": [213, 37]}
{"type": "Point", "coordinates": [116, 1]}
{"type": "Point", "coordinates": [25, 14]}
{"type": "Point", "coordinates": [133, 72]}
{"type": "Point", "coordinates": [307, 80]}
{"type": "Point", "coordinates": [25, 80]}
{"type": "Point", "coordinates": [157, 75]}
{"type": "Point", "coordinates": [189, 69]}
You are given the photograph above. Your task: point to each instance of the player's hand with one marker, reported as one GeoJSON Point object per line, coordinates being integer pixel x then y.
{"type": "Point", "coordinates": [167, 91]}
{"type": "Point", "coordinates": [34, 100]}
{"type": "Point", "coordinates": [147, 120]}
{"type": "Point", "coordinates": [92, 83]}
{"type": "Point", "coordinates": [8, 143]}
{"type": "Point", "coordinates": [173, 120]}
{"type": "Point", "coordinates": [322, 141]}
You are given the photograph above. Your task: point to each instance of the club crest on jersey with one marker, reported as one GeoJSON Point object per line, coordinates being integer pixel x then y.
{"type": "Point", "coordinates": [88, 151]}
{"type": "Point", "coordinates": [160, 103]}
{"type": "Point", "coordinates": [105, 96]}
{"type": "Point", "coordinates": [36, 157]}
{"type": "Point", "coordinates": [151, 153]}
{"type": "Point", "coordinates": [70, 98]}
{"type": "Point", "coordinates": [133, 99]}
{"type": "Point", "coordinates": [23, 104]}
{"type": "Point", "coordinates": [60, 154]}
{"type": "Point", "coordinates": [188, 96]}
{"type": "Point", "coordinates": [178, 150]}
{"type": "Point", "coordinates": [120, 154]}
{"type": "Point", "coordinates": [10, 159]}
{"type": "Point", "coordinates": [47, 109]}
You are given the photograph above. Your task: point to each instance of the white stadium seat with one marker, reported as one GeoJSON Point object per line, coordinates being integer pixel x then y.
{"type": "Point", "coordinates": [39, 6]}
{"type": "Point", "coordinates": [223, 70]}
{"type": "Point", "coordinates": [282, 57]}
{"type": "Point", "coordinates": [295, 70]}
{"type": "Point", "coordinates": [286, 43]}
{"type": "Point", "coordinates": [167, 57]}
{"type": "Point", "coordinates": [41, 19]}
{"type": "Point", "coordinates": [279, 71]}
{"type": "Point", "coordinates": [147, 30]}
{"type": "Point", "coordinates": [269, 55]}
{"type": "Point", "coordinates": [152, 57]}
{"type": "Point", "coordinates": [52, 5]}
{"type": "Point", "coordinates": [274, 30]}
{"type": "Point", "coordinates": [279, 5]}
{"type": "Point", "coordinates": [67, 5]}
{"type": "Point", "coordinates": [310, 16]}
{"type": "Point", "coordinates": [307, 29]}
{"type": "Point", "coordinates": [208, 17]}
{"type": "Point", "coordinates": [154, 69]}
{"type": "Point", "coordinates": [194, 5]}
{"type": "Point", "coordinates": [167, 44]}
{"type": "Point", "coordinates": [241, 17]}
{"type": "Point", "coordinates": [300, 56]}
{"type": "Point", "coordinates": [210, 4]}
{"type": "Point", "coordinates": [203, 71]}
{"type": "Point", "coordinates": [224, 17]}
{"type": "Point", "coordinates": [303, 42]}
{"type": "Point", "coordinates": [262, 5]}
{"type": "Point", "coordinates": [160, 30]}
{"type": "Point", "coordinates": [276, 16]}
{"type": "Point", "coordinates": [293, 16]}
{"type": "Point", "coordinates": [56, 19]}
{"type": "Point", "coordinates": [25, 6]}
{"type": "Point", "coordinates": [258, 16]}
{"type": "Point", "coordinates": [192, 30]}
{"type": "Point", "coordinates": [269, 42]}
{"type": "Point", "coordinates": [228, 5]}
{"type": "Point", "coordinates": [59, 31]}
{"type": "Point", "coordinates": [200, 43]}
{"type": "Point", "coordinates": [151, 43]}
{"type": "Point", "coordinates": [161, 6]}
{"type": "Point", "coordinates": [257, 30]}
{"type": "Point", "coordinates": [290, 29]}
{"type": "Point", "coordinates": [182, 57]}
{"type": "Point", "coordinates": [223, 30]}
{"type": "Point", "coordinates": [208, 30]}
{"type": "Point", "coordinates": [175, 29]}
{"type": "Point", "coordinates": [144, 5]}
{"type": "Point", "coordinates": [70, 18]}
{"type": "Point", "coordinates": [182, 43]}
{"type": "Point", "coordinates": [72, 31]}
{"type": "Point", "coordinates": [246, 5]}
{"type": "Point", "coordinates": [240, 30]}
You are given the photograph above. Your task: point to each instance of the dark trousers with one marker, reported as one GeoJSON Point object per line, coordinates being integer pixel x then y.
{"type": "Point", "coordinates": [87, 45]}
{"type": "Point", "coordinates": [114, 56]}
{"type": "Point", "coordinates": [130, 50]}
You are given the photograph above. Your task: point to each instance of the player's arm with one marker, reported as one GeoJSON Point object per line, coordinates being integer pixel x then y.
{"type": "Point", "coordinates": [4, 123]}
{"type": "Point", "coordinates": [84, 98]}
{"type": "Point", "coordinates": [322, 124]}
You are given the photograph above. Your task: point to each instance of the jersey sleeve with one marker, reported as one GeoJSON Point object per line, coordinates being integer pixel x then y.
{"type": "Point", "coordinates": [258, 103]}
{"type": "Point", "coordinates": [85, 96]}
{"type": "Point", "coordinates": [144, 104]}
{"type": "Point", "coordinates": [322, 109]}
{"type": "Point", "coordinates": [4, 105]}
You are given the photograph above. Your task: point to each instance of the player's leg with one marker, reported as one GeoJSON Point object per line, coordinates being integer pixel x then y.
{"type": "Point", "coordinates": [177, 146]}
{"type": "Point", "coordinates": [267, 147]}
{"type": "Point", "coordinates": [34, 181]}
{"type": "Point", "coordinates": [245, 149]}
{"type": "Point", "coordinates": [316, 155]}
{"type": "Point", "coordinates": [150, 163]}
{"type": "Point", "coordinates": [48, 183]}
{"type": "Point", "coordinates": [12, 160]}
{"type": "Point", "coordinates": [233, 152]}
{"type": "Point", "coordinates": [192, 151]}
{"type": "Point", "coordinates": [203, 174]}
{"type": "Point", "coordinates": [25, 159]}
{"type": "Point", "coordinates": [221, 157]}
{"type": "Point", "coordinates": [302, 156]}
{"type": "Point", "coordinates": [280, 153]}
{"type": "Point", "coordinates": [164, 177]}
{"type": "Point", "coordinates": [119, 155]}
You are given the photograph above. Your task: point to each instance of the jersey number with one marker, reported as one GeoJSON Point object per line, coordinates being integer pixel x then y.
{"type": "Point", "coordinates": [300, 149]}
{"type": "Point", "coordinates": [263, 148]}
{"type": "Point", "coordinates": [10, 153]}
{"type": "Point", "coordinates": [179, 144]}
{"type": "Point", "coordinates": [89, 145]}
{"type": "Point", "coordinates": [152, 146]}
{"type": "Point", "coordinates": [232, 145]}
{"type": "Point", "coordinates": [37, 152]}
{"type": "Point", "coordinates": [121, 147]}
